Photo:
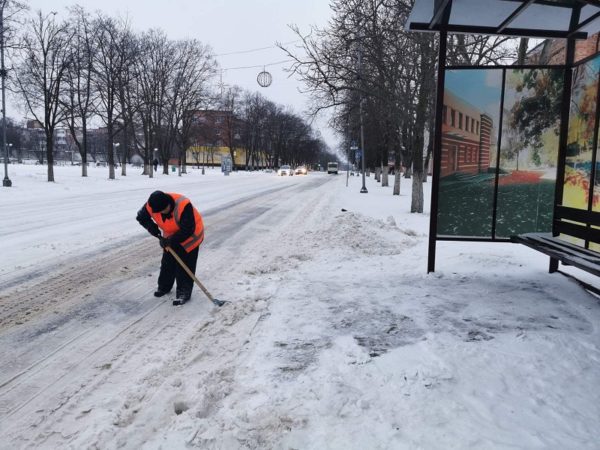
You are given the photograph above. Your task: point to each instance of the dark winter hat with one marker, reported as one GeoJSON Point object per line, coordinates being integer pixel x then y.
{"type": "Point", "coordinates": [158, 201]}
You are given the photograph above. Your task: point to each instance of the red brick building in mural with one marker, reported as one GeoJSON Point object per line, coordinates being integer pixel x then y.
{"type": "Point", "coordinates": [466, 137]}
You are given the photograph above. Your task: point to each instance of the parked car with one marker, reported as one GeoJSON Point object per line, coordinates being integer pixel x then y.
{"type": "Point", "coordinates": [301, 170]}
{"type": "Point", "coordinates": [285, 170]}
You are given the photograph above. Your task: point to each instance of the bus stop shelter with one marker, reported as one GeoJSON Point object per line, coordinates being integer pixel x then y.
{"type": "Point", "coordinates": [515, 147]}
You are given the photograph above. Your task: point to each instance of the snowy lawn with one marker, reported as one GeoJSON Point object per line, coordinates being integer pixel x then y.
{"type": "Point", "coordinates": [335, 337]}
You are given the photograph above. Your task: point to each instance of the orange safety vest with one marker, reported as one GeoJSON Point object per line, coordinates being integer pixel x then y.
{"type": "Point", "coordinates": [172, 224]}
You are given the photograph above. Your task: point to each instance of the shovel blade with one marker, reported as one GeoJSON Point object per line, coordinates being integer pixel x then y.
{"type": "Point", "coordinates": [218, 302]}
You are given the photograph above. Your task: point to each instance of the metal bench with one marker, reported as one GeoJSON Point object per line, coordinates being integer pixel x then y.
{"type": "Point", "coordinates": [569, 222]}
{"type": "Point", "coordinates": [565, 252]}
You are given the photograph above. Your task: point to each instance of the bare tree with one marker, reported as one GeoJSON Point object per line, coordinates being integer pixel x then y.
{"type": "Point", "coordinates": [44, 62]}
{"type": "Point", "coordinates": [77, 98]}
{"type": "Point", "coordinates": [110, 60]}
{"type": "Point", "coordinates": [230, 104]}
{"type": "Point", "coordinates": [126, 79]}
{"type": "Point", "coordinates": [252, 115]}
{"type": "Point", "coordinates": [151, 70]}
{"type": "Point", "coordinates": [329, 66]}
{"type": "Point", "coordinates": [193, 66]}
{"type": "Point", "coordinates": [8, 11]}
{"type": "Point", "coordinates": [424, 88]}
{"type": "Point", "coordinates": [479, 50]}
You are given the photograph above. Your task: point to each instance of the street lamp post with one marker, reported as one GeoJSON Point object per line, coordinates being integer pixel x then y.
{"type": "Point", "coordinates": [363, 190]}
{"type": "Point", "coordinates": [6, 181]}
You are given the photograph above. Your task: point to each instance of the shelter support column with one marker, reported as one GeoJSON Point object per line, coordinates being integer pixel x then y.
{"type": "Point", "coordinates": [564, 125]}
{"type": "Point", "coordinates": [437, 151]}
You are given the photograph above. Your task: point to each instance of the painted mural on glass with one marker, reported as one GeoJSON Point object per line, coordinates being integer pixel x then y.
{"type": "Point", "coordinates": [580, 151]}
{"type": "Point", "coordinates": [470, 120]}
{"type": "Point", "coordinates": [529, 150]}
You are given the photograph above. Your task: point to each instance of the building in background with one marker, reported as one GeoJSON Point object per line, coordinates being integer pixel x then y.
{"type": "Point", "coordinates": [216, 134]}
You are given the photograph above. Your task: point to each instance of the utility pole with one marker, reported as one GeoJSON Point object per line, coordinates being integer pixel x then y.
{"type": "Point", "coordinates": [6, 181]}
{"type": "Point", "coordinates": [363, 190]}
{"type": "Point", "coordinates": [348, 150]}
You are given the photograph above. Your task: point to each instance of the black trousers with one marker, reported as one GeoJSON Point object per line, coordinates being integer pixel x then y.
{"type": "Point", "coordinates": [171, 271]}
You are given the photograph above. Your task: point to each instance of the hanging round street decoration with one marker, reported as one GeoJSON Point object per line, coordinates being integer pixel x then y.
{"type": "Point", "coordinates": [264, 78]}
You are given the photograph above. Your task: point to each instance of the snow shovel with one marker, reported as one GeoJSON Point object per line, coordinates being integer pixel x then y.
{"type": "Point", "coordinates": [190, 273]}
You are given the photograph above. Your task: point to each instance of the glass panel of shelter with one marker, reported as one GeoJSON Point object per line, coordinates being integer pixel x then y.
{"type": "Point", "coordinates": [579, 192]}
{"type": "Point", "coordinates": [539, 17]}
{"type": "Point", "coordinates": [468, 157]}
{"type": "Point", "coordinates": [489, 193]}
{"type": "Point", "coordinates": [486, 13]}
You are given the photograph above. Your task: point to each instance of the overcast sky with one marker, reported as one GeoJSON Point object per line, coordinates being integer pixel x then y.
{"type": "Point", "coordinates": [228, 26]}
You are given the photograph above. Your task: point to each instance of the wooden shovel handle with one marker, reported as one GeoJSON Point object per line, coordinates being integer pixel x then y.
{"type": "Point", "coordinates": [189, 272]}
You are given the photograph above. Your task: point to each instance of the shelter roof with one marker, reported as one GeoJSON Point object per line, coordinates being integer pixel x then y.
{"type": "Point", "coordinates": [529, 18]}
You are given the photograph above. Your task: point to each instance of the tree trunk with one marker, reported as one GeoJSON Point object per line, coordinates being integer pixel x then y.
{"type": "Point", "coordinates": [417, 193]}
{"type": "Point", "coordinates": [84, 171]}
{"type": "Point", "coordinates": [124, 162]}
{"type": "Point", "coordinates": [384, 177]}
{"type": "Point", "coordinates": [110, 148]}
{"type": "Point", "coordinates": [429, 148]}
{"type": "Point", "coordinates": [418, 140]}
{"type": "Point", "coordinates": [397, 178]}
{"type": "Point", "coordinates": [50, 156]}
{"type": "Point", "coordinates": [523, 44]}
{"type": "Point", "coordinates": [124, 145]}
{"type": "Point", "coordinates": [147, 164]}
{"type": "Point", "coordinates": [150, 164]}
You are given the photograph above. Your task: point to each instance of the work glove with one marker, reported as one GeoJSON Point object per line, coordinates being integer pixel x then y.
{"type": "Point", "coordinates": [164, 241]}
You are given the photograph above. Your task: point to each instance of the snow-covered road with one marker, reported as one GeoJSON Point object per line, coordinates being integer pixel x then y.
{"type": "Point", "coordinates": [334, 337]}
{"type": "Point", "coordinates": [66, 323]}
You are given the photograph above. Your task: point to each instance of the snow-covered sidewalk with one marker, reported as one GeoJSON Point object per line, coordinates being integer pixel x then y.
{"type": "Point", "coordinates": [335, 337]}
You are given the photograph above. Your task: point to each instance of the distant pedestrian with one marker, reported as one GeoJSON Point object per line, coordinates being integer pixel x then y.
{"type": "Point", "coordinates": [155, 163]}
{"type": "Point", "coordinates": [182, 230]}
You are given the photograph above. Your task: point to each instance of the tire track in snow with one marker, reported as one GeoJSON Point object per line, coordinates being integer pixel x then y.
{"type": "Point", "coordinates": [32, 297]}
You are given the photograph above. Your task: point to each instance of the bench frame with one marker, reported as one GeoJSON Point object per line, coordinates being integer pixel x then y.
{"type": "Point", "coordinates": [582, 225]}
{"type": "Point", "coordinates": [561, 250]}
